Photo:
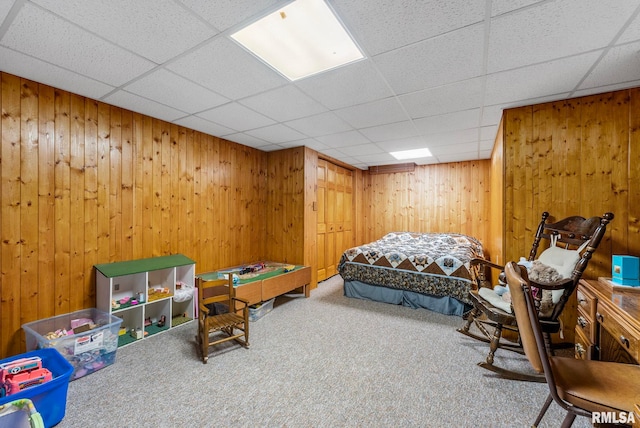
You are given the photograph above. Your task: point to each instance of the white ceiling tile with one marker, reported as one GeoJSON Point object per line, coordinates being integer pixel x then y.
{"type": "Point", "coordinates": [5, 7]}
{"type": "Point", "coordinates": [444, 59]}
{"type": "Point", "coordinates": [632, 32]}
{"type": "Point", "coordinates": [377, 159]}
{"type": "Point", "coordinates": [486, 145]}
{"type": "Point", "coordinates": [498, 7]}
{"type": "Point", "coordinates": [403, 144]}
{"type": "Point", "coordinates": [457, 96]}
{"type": "Point", "coordinates": [379, 25]}
{"type": "Point", "coordinates": [485, 154]}
{"type": "Point", "coordinates": [390, 131]}
{"type": "Point", "coordinates": [224, 14]}
{"type": "Point", "coordinates": [455, 137]}
{"type": "Point", "coordinates": [553, 30]}
{"type": "Point", "coordinates": [491, 115]}
{"type": "Point", "coordinates": [247, 140]}
{"type": "Point", "coordinates": [226, 68]}
{"type": "Point", "coordinates": [452, 149]}
{"type": "Point", "coordinates": [307, 142]}
{"type": "Point", "coordinates": [39, 71]}
{"type": "Point", "coordinates": [448, 122]}
{"type": "Point", "coordinates": [138, 104]}
{"type": "Point", "coordinates": [271, 147]}
{"type": "Point", "coordinates": [320, 124]}
{"type": "Point", "coordinates": [488, 133]}
{"type": "Point", "coordinates": [560, 76]}
{"type": "Point", "coordinates": [277, 133]}
{"type": "Point", "coordinates": [362, 149]}
{"type": "Point", "coordinates": [355, 83]}
{"type": "Point", "coordinates": [236, 116]}
{"type": "Point", "coordinates": [343, 139]}
{"type": "Point", "coordinates": [167, 88]}
{"type": "Point", "coordinates": [284, 103]}
{"type": "Point", "coordinates": [205, 126]}
{"type": "Point", "coordinates": [63, 44]}
{"type": "Point", "coordinates": [606, 88]}
{"type": "Point", "coordinates": [375, 113]}
{"type": "Point", "coordinates": [155, 29]}
{"type": "Point", "coordinates": [622, 64]}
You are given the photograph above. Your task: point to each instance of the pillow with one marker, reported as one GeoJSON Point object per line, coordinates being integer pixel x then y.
{"type": "Point", "coordinates": [560, 259]}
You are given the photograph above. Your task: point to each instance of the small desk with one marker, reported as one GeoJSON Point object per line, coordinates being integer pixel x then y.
{"type": "Point", "coordinates": [608, 326]}
{"type": "Point", "coordinates": [261, 286]}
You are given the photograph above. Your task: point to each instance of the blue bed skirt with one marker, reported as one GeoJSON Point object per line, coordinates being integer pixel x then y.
{"type": "Point", "coordinates": [442, 304]}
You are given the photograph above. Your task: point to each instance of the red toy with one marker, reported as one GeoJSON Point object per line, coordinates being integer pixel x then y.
{"type": "Point", "coordinates": [21, 374]}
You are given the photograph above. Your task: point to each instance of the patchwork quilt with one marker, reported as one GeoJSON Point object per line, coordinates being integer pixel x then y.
{"type": "Point", "coordinates": [436, 264]}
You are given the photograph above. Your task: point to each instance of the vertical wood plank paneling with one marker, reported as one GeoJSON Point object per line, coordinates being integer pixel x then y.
{"type": "Point", "coordinates": [80, 275]}
{"type": "Point", "coordinates": [61, 208]}
{"type": "Point", "coordinates": [80, 181]}
{"type": "Point", "coordinates": [173, 208]}
{"type": "Point", "coordinates": [90, 201]}
{"type": "Point", "coordinates": [165, 228]}
{"type": "Point", "coordinates": [29, 200]}
{"type": "Point", "coordinates": [103, 183]}
{"type": "Point", "coordinates": [633, 221]}
{"type": "Point", "coordinates": [10, 302]}
{"type": "Point", "coordinates": [139, 171]}
{"type": "Point", "coordinates": [53, 260]}
{"type": "Point", "coordinates": [146, 186]}
{"type": "Point", "coordinates": [126, 196]}
{"type": "Point", "coordinates": [115, 184]}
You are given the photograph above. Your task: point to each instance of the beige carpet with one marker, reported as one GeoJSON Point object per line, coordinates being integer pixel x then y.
{"type": "Point", "coordinates": [326, 361]}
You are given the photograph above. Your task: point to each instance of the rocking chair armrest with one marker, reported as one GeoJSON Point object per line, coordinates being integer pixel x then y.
{"type": "Point", "coordinates": [556, 285]}
{"type": "Point", "coordinates": [485, 262]}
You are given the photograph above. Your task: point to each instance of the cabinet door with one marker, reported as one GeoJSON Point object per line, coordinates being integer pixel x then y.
{"type": "Point", "coordinates": [335, 216]}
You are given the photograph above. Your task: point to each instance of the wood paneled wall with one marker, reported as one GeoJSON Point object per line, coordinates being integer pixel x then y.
{"type": "Point", "coordinates": [575, 157]}
{"type": "Point", "coordinates": [451, 197]}
{"type": "Point", "coordinates": [84, 183]}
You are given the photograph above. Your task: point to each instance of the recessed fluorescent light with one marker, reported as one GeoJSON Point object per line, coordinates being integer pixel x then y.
{"type": "Point", "coordinates": [411, 154]}
{"type": "Point", "coordinates": [301, 39]}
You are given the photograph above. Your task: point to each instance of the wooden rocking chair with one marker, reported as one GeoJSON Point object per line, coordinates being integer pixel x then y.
{"type": "Point", "coordinates": [221, 315]}
{"type": "Point", "coordinates": [572, 242]}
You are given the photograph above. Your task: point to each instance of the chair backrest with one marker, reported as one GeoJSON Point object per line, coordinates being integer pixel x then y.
{"type": "Point", "coordinates": [214, 291]}
{"type": "Point", "coordinates": [572, 233]}
{"type": "Point", "coordinates": [517, 284]}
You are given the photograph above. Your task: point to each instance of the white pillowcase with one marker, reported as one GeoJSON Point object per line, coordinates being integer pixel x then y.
{"type": "Point", "coordinates": [560, 259]}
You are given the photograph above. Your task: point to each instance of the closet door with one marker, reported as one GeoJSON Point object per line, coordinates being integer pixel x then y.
{"type": "Point", "coordinates": [335, 216]}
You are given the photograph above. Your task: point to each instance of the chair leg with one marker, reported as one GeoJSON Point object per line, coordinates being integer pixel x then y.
{"type": "Point", "coordinates": [568, 420]}
{"type": "Point", "coordinates": [471, 316]}
{"type": "Point", "coordinates": [495, 343]}
{"type": "Point", "coordinates": [544, 409]}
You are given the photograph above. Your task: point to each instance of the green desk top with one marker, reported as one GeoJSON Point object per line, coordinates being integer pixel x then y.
{"type": "Point", "coordinates": [259, 277]}
{"type": "Point", "coordinates": [130, 267]}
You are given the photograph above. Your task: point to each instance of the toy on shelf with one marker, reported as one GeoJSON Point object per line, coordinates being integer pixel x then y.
{"type": "Point", "coordinates": [21, 374]}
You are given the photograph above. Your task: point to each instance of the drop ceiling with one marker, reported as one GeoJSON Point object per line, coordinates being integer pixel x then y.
{"type": "Point", "coordinates": [436, 73]}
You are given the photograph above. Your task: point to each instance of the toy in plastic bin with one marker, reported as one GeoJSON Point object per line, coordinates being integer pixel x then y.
{"type": "Point", "coordinates": [21, 374]}
{"type": "Point", "coordinates": [20, 413]}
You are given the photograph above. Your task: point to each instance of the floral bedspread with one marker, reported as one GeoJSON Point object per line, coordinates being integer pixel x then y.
{"type": "Point", "coordinates": [436, 264]}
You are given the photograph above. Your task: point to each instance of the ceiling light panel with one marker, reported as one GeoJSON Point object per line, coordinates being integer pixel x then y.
{"type": "Point", "coordinates": [302, 39]}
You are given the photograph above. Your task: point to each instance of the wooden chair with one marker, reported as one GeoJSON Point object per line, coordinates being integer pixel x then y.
{"type": "Point", "coordinates": [572, 242]}
{"type": "Point", "coordinates": [221, 315]}
{"type": "Point", "coordinates": [581, 387]}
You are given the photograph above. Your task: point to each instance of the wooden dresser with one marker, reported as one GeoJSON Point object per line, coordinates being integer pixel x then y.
{"type": "Point", "coordinates": [608, 322]}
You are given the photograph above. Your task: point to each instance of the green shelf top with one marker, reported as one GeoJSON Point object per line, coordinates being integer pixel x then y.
{"type": "Point", "coordinates": [130, 267]}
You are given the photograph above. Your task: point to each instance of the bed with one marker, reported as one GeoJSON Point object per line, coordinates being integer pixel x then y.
{"type": "Point", "coordinates": [418, 270]}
